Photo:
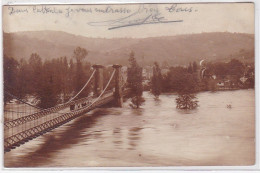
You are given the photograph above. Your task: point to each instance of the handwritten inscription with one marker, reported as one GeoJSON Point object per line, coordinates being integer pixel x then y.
{"type": "Point", "coordinates": [143, 14]}
{"type": "Point", "coordinates": [46, 10]}
{"type": "Point", "coordinates": [178, 9]}
{"type": "Point", "coordinates": [109, 9]}
{"type": "Point", "coordinates": [13, 10]}
{"type": "Point", "coordinates": [69, 11]}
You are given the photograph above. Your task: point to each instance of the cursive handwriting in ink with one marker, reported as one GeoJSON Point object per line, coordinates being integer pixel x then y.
{"type": "Point", "coordinates": [46, 10]}
{"type": "Point", "coordinates": [177, 9]}
{"type": "Point", "coordinates": [13, 10]}
{"type": "Point", "coordinates": [141, 17]}
{"type": "Point", "coordinates": [109, 9]}
{"type": "Point", "coordinates": [69, 11]}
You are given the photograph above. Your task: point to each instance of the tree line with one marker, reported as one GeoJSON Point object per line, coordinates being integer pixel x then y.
{"type": "Point", "coordinates": [187, 81]}
{"type": "Point", "coordinates": [57, 80]}
{"type": "Point", "coordinates": [50, 82]}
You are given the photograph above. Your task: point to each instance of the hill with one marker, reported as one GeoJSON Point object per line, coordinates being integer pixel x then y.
{"type": "Point", "coordinates": [173, 50]}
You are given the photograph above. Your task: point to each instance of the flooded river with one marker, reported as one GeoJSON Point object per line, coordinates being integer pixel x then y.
{"type": "Point", "coordinates": [156, 135]}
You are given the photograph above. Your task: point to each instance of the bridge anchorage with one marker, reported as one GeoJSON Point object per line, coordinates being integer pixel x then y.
{"type": "Point", "coordinates": [20, 128]}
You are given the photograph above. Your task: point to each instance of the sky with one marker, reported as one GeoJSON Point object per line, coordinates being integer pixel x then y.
{"type": "Point", "coordinates": [145, 20]}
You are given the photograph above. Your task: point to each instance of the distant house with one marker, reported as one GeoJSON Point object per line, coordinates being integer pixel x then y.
{"type": "Point", "coordinates": [164, 71]}
{"type": "Point", "coordinates": [220, 84]}
{"type": "Point", "coordinates": [243, 79]}
{"type": "Point", "coordinates": [147, 72]}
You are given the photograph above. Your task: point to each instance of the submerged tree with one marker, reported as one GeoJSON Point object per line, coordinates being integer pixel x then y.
{"type": "Point", "coordinates": [137, 101]}
{"type": "Point", "coordinates": [134, 80]}
{"type": "Point", "coordinates": [156, 81]}
{"type": "Point", "coordinates": [186, 101]}
{"type": "Point", "coordinates": [186, 92]}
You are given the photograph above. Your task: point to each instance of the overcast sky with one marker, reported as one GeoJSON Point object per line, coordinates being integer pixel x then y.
{"type": "Point", "coordinates": [148, 20]}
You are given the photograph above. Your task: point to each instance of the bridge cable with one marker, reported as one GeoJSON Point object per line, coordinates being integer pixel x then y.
{"type": "Point", "coordinates": [11, 95]}
{"type": "Point", "coordinates": [56, 105]}
{"type": "Point", "coordinates": [82, 87]}
{"type": "Point", "coordinates": [112, 75]}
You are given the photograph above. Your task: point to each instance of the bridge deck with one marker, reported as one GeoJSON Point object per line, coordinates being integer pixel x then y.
{"type": "Point", "coordinates": [21, 130]}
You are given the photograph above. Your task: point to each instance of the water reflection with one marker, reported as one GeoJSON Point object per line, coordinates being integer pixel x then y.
{"type": "Point", "coordinates": [136, 112]}
{"type": "Point", "coordinates": [187, 111]}
{"type": "Point", "coordinates": [157, 101]}
{"type": "Point", "coordinates": [134, 135]}
{"type": "Point", "coordinates": [54, 142]}
{"type": "Point", "coordinates": [117, 138]}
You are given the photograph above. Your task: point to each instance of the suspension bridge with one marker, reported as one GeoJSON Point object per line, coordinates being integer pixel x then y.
{"type": "Point", "coordinates": [22, 126]}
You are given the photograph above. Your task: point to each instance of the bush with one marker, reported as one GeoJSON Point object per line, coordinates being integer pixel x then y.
{"type": "Point", "coordinates": [136, 101]}
{"type": "Point", "coordinates": [186, 101]}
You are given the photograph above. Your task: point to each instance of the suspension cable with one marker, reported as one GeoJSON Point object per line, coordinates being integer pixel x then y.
{"type": "Point", "coordinates": [112, 75]}
{"type": "Point", "coordinates": [82, 87]}
{"type": "Point", "coordinates": [11, 95]}
{"type": "Point", "coordinates": [14, 111]}
{"type": "Point", "coordinates": [54, 106]}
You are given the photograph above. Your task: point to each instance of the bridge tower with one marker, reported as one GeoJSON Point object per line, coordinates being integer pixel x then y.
{"type": "Point", "coordinates": [98, 85]}
{"type": "Point", "coordinates": [118, 86]}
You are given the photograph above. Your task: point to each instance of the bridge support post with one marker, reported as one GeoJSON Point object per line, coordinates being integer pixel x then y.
{"type": "Point", "coordinates": [118, 88]}
{"type": "Point", "coordinates": [98, 85]}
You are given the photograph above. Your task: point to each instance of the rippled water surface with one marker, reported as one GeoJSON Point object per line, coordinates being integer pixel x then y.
{"type": "Point", "coordinates": [156, 135]}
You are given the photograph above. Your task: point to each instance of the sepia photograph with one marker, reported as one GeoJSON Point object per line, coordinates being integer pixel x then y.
{"type": "Point", "coordinates": [129, 85]}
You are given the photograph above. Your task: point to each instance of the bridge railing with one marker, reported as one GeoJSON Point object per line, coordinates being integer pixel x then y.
{"type": "Point", "coordinates": [20, 137]}
{"type": "Point", "coordinates": [40, 114]}
{"type": "Point", "coordinates": [25, 128]}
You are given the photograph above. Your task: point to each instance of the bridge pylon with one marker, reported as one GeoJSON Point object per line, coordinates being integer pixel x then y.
{"type": "Point", "coordinates": [118, 86]}
{"type": "Point", "coordinates": [98, 85]}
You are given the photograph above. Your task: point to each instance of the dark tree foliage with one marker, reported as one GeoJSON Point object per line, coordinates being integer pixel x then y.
{"type": "Point", "coordinates": [51, 82]}
{"type": "Point", "coordinates": [221, 69]}
{"type": "Point", "coordinates": [178, 79]}
{"type": "Point", "coordinates": [23, 76]}
{"type": "Point", "coordinates": [137, 101]}
{"type": "Point", "coordinates": [186, 101]}
{"type": "Point", "coordinates": [64, 74]}
{"type": "Point", "coordinates": [134, 80]}
{"type": "Point", "coordinates": [156, 80]}
{"type": "Point", "coordinates": [190, 68]}
{"type": "Point", "coordinates": [10, 80]}
{"type": "Point", "coordinates": [194, 66]}
{"type": "Point", "coordinates": [80, 76]}
{"type": "Point", "coordinates": [80, 54]}
{"type": "Point", "coordinates": [184, 82]}
{"type": "Point", "coordinates": [186, 93]}
{"type": "Point", "coordinates": [35, 69]}
{"type": "Point", "coordinates": [48, 93]}
{"type": "Point", "coordinates": [70, 79]}
{"type": "Point", "coordinates": [235, 67]}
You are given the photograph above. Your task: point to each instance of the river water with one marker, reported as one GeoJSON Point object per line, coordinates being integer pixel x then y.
{"type": "Point", "coordinates": [156, 135]}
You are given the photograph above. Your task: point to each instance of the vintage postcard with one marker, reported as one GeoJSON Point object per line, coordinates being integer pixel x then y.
{"type": "Point", "coordinates": [129, 85]}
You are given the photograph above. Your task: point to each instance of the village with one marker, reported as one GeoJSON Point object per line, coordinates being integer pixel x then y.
{"type": "Point", "coordinates": [207, 77]}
